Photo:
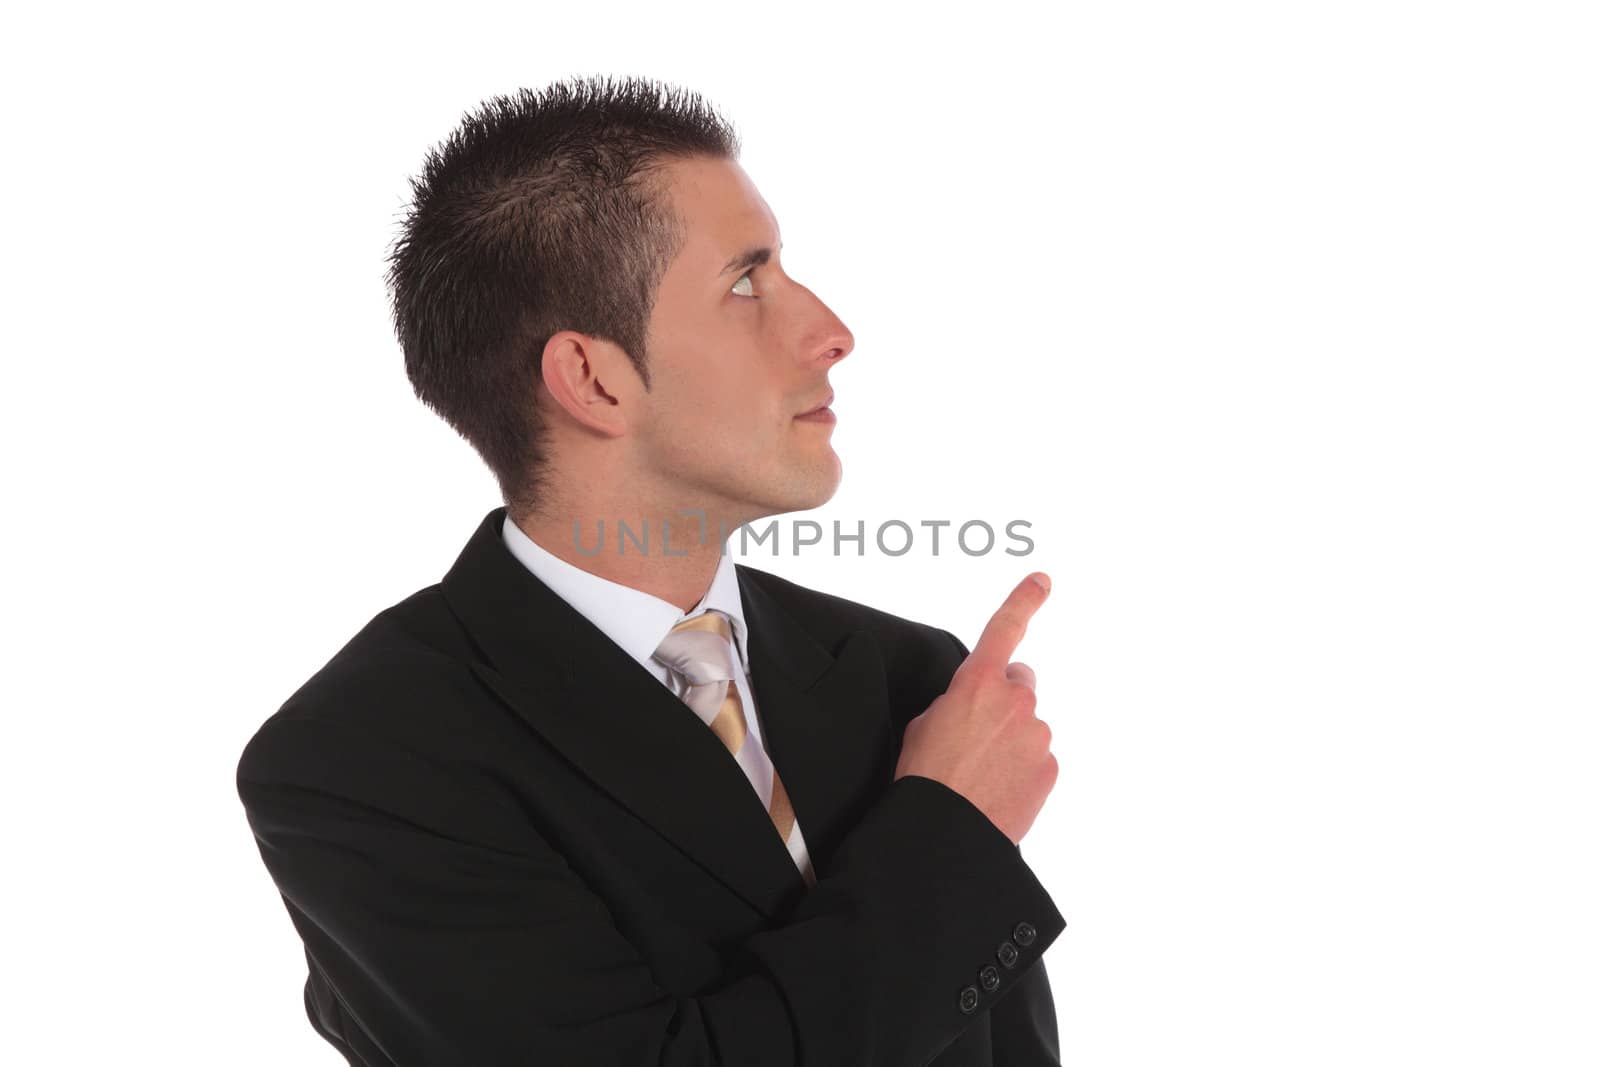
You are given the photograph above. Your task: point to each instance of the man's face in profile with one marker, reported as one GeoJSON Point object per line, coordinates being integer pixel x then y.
{"type": "Point", "coordinates": [736, 353]}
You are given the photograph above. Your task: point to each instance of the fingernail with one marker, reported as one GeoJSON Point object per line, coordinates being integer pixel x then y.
{"type": "Point", "coordinates": [1043, 580]}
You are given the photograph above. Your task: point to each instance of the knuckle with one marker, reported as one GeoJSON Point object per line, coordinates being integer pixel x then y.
{"type": "Point", "coordinates": [1020, 672]}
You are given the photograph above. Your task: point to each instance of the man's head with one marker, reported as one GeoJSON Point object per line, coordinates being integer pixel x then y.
{"type": "Point", "coordinates": [567, 294]}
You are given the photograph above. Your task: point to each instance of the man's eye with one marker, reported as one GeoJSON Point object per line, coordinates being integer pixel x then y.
{"type": "Point", "coordinates": [744, 279]}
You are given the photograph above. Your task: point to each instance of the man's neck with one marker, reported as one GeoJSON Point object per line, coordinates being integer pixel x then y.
{"type": "Point", "coordinates": [631, 552]}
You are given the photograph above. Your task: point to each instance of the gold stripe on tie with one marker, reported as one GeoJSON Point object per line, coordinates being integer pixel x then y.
{"type": "Point", "coordinates": [729, 723]}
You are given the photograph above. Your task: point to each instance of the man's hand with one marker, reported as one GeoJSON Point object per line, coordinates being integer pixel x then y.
{"type": "Point", "coordinates": [981, 738]}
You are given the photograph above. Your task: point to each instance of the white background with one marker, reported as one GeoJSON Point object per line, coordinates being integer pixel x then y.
{"type": "Point", "coordinates": [1277, 321]}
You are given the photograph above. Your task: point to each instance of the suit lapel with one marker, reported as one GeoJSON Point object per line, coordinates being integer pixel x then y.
{"type": "Point", "coordinates": [824, 716]}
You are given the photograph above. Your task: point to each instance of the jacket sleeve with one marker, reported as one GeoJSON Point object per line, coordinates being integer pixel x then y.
{"type": "Point", "coordinates": [1022, 1026]}
{"type": "Point", "coordinates": [454, 933]}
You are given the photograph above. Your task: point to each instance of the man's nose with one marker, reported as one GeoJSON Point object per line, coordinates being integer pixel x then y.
{"type": "Point", "coordinates": [832, 340]}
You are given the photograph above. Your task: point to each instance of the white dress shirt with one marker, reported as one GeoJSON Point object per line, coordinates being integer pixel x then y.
{"type": "Point", "coordinates": [638, 622]}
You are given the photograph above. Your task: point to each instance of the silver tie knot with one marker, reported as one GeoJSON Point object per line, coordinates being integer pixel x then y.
{"type": "Point", "coordinates": [700, 651]}
{"type": "Point", "coordinates": [699, 656]}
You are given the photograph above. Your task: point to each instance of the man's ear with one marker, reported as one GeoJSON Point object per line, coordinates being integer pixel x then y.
{"type": "Point", "coordinates": [592, 380]}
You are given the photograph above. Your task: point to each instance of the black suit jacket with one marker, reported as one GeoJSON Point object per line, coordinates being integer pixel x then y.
{"type": "Point", "coordinates": [502, 841]}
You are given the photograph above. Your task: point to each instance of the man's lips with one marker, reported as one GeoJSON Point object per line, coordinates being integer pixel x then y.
{"type": "Point", "coordinates": [820, 407]}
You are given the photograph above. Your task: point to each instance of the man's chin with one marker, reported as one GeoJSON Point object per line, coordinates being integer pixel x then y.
{"type": "Point", "coordinates": [806, 499]}
{"type": "Point", "coordinates": [815, 497]}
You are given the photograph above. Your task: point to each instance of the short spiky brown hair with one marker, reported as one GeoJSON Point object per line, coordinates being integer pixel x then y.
{"type": "Point", "coordinates": [543, 211]}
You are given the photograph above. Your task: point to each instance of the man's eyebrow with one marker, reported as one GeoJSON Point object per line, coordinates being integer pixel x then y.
{"type": "Point", "coordinates": [750, 257]}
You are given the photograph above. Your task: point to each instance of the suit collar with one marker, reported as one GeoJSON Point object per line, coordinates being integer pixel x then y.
{"type": "Point", "coordinates": [822, 699]}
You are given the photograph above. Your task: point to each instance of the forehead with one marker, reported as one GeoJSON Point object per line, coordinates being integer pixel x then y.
{"type": "Point", "coordinates": [723, 212]}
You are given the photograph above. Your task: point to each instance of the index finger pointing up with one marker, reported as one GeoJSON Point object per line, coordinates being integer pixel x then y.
{"type": "Point", "coordinates": [1003, 634]}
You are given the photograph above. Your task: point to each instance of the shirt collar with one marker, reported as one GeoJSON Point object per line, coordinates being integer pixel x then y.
{"type": "Point", "coordinates": [635, 620]}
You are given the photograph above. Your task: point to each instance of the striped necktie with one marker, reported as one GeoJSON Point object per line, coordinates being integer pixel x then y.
{"type": "Point", "coordinates": [701, 651]}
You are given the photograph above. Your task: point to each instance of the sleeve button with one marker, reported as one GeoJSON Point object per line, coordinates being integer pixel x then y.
{"type": "Point", "coordinates": [1024, 934]}
{"type": "Point", "coordinates": [990, 978]}
{"type": "Point", "coordinates": [969, 1000]}
{"type": "Point", "coordinates": [1007, 953]}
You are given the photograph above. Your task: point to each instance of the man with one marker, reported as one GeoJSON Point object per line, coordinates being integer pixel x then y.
{"type": "Point", "coordinates": [497, 817]}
